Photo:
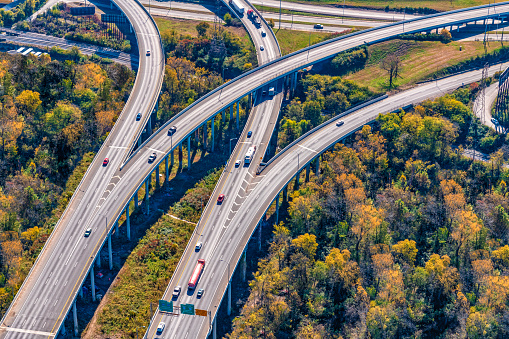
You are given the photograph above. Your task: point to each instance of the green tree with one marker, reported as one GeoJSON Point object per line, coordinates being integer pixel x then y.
{"type": "Point", "coordinates": [202, 27]}
{"type": "Point", "coordinates": [227, 19]}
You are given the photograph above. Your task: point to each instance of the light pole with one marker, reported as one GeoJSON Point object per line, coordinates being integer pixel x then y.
{"type": "Point", "coordinates": [343, 18]}
{"type": "Point", "coordinates": [231, 144]}
{"type": "Point", "coordinates": [279, 14]}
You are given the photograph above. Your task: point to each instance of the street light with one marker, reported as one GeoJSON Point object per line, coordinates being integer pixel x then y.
{"type": "Point", "coordinates": [231, 144]}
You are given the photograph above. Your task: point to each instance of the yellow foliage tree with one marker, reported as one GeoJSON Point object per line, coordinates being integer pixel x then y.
{"type": "Point", "coordinates": [407, 250]}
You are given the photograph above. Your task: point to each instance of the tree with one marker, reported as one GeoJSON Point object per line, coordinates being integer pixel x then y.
{"type": "Point", "coordinates": [227, 19]}
{"type": "Point", "coordinates": [271, 23]}
{"type": "Point", "coordinates": [28, 102]}
{"type": "Point", "coordinates": [466, 225]}
{"type": "Point", "coordinates": [391, 64]}
{"type": "Point", "coordinates": [203, 26]}
{"type": "Point", "coordinates": [446, 35]}
{"type": "Point", "coordinates": [406, 250]}
{"type": "Point", "coordinates": [306, 244]}
{"type": "Point", "coordinates": [367, 221]}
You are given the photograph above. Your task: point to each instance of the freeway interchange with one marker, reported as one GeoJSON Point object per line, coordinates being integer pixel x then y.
{"type": "Point", "coordinates": [48, 292]}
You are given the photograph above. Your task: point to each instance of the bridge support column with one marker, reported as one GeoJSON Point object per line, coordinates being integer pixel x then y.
{"type": "Point", "coordinates": [139, 141]}
{"type": "Point", "coordinates": [229, 308]}
{"type": "Point", "coordinates": [238, 105]}
{"type": "Point", "coordinates": [231, 113]}
{"type": "Point", "coordinates": [98, 259]}
{"type": "Point", "coordinates": [244, 265]}
{"type": "Point", "coordinates": [167, 170]}
{"type": "Point", "coordinates": [92, 282]}
{"type": "Point", "coordinates": [260, 235]}
{"type": "Point", "coordinates": [116, 228]}
{"type": "Point", "coordinates": [297, 182]}
{"type": "Point", "coordinates": [136, 202]}
{"type": "Point", "coordinates": [214, 329]}
{"type": "Point", "coordinates": [172, 156]}
{"type": "Point", "coordinates": [149, 125]}
{"type": "Point", "coordinates": [277, 208]}
{"type": "Point", "coordinates": [157, 177]}
{"type": "Point", "coordinates": [249, 101]}
{"type": "Point", "coordinates": [205, 135]}
{"type": "Point", "coordinates": [285, 194]}
{"type": "Point", "coordinates": [212, 131]}
{"type": "Point", "coordinates": [110, 254]}
{"type": "Point", "coordinates": [308, 170]}
{"type": "Point", "coordinates": [81, 291]}
{"type": "Point", "coordinates": [189, 161]}
{"type": "Point", "coordinates": [146, 195]}
{"type": "Point", "coordinates": [223, 115]}
{"type": "Point", "coordinates": [128, 220]}
{"type": "Point", "coordinates": [180, 155]}
{"type": "Point", "coordinates": [317, 170]}
{"type": "Point", "coordinates": [75, 318]}
{"type": "Point", "coordinates": [62, 329]}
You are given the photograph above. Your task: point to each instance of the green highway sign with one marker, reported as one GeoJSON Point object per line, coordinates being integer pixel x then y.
{"type": "Point", "coordinates": [187, 309]}
{"type": "Point", "coordinates": [165, 306]}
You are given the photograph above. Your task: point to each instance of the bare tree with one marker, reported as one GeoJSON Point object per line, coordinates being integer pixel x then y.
{"type": "Point", "coordinates": [391, 64]}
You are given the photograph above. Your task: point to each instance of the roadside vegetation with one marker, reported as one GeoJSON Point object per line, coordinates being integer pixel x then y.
{"type": "Point", "coordinates": [20, 12]}
{"type": "Point", "coordinates": [400, 236]}
{"type": "Point", "coordinates": [58, 21]}
{"type": "Point", "coordinates": [53, 116]}
{"type": "Point", "coordinates": [293, 40]}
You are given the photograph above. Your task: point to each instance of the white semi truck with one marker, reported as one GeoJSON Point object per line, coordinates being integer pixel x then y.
{"type": "Point", "coordinates": [237, 5]}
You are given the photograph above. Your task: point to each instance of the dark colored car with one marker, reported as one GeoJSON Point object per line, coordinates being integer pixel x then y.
{"type": "Point", "coordinates": [152, 157]}
{"type": "Point", "coordinates": [249, 134]}
{"type": "Point", "coordinates": [87, 232]}
{"type": "Point", "coordinates": [138, 117]}
{"type": "Point", "coordinates": [220, 198]}
{"type": "Point", "coordinates": [172, 130]}
{"type": "Point", "coordinates": [340, 123]}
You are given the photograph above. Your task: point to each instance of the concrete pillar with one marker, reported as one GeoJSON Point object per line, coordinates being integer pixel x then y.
{"type": "Point", "coordinates": [214, 329]}
{"type": "Point", "coordinates": [139, 141]}
{"type": "Point", "coordinates": [149, 125]}
{"type": "Point", "coordinates": [92, 282]}
{"type": "Point", "coordinates": [81, 291]}
{"type": "Point", "coordinates": [146, 196]}
{"type": "Point", "coordinates": [75, 318]}
{"type": "Point", "coordinates": [172, 160]}
{"type": "Point", "coordinates": [317, 170]}
{"type": "Point", "coordinates": [238, 105]}
{"type": "Point", "coordinates": [231, 113]}
{"type": "Point", "coordinates": [244, 265]}
{"type": "Point", "coordinates": [110, 254]}
{"type": "Point", "coordinates": [116, 229]}
{"type": "Point", "coordinates": [166, 170]}
{"type": "Point", "coordinates": [189, 161]}
{"type": "Point", "coordinates": [212, 132]}
{"type": "Point", "coordinates": [260, 235]}
{"type": "Point", "coordinates": [205, 135]}
{"type": "Point", "coordinates": [128, 222]}
{"type": "Point", "coordinates": [224, 114]}
{"type": "Point", "coordinates": [285, 194]}
{"type": "Point", "coordinates": [229, 308]}
{"type": "Point", "coordinates": [180, 155]}
{"type": "Point", "coordinates": [62, 329]}
{"type": "Point", "coordinates": [157, 177]}
{"type": "Point", "coordinates": [136, 202]}
{"type": "Point", "coordinates": [98, 259]}
{"type": "Point", "coordinates": [277, 208]}
{"type": "Point", "coordinates": [297, 181]}
{"type": "Point", "coordinates": [308, 169]}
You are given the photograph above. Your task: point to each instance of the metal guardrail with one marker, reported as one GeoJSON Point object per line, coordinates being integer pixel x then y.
{"type": "Point", "coordinates": [305, 135]}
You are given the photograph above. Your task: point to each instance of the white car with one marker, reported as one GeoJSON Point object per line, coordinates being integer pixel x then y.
{"type": "Point", "coordinates": [176, 291]}
{"type": "Point", "coordinates": [262, 48]}
{"type": "Point", "coordinates": [198, 246]}
{"type": "Point", "coordinates": [160, 327]}
{"type": "Point", "coordinates": [237, 163]}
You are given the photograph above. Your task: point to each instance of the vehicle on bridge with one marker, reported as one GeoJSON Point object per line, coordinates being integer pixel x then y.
{"type": "Point", "coordinates": [237, 6]}
{"type": "Point", "coordinates": [249, 155]}
{"type": "Point", "coordinates": [196, 274]}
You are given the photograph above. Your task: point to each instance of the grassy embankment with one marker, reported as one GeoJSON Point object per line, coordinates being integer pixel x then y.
{"type": "Point", "coordinates": [419, 59]}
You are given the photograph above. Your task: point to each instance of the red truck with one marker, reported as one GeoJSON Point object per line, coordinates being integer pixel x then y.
{"type": "Point", "coordinates": [250, 13]}
{"type": "Point", "coordinates": [196, 274]}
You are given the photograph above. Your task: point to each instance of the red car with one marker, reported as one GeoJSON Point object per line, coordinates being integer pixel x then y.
{"type": "Point", "coordinates": [106, 161]}
{"type": "Point", "coordinates": [220, 198]}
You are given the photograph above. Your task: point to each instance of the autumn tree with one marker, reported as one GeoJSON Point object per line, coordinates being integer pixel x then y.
{"type": "Point", "coordinates": [202, 27]}
{"type": "Point", "coordinates": [466, 226]}
{"type": "Point", "coordinates": [367, 222]}
{"type": "Point", "coordinates": [391, 64]}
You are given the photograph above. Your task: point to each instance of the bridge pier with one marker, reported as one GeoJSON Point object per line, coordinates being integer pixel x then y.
{"type": "Point", "coordinates": [136, 202]}
{"type": "Point", "coordinates": [223, 115]}
{"type": "Point", "coordinates": [205, 135]}
{"type": "Point", "coordinates": [244, 264]}
{"type": "Point", "coordinates": [229, 308]}
{"type": "Point", "coordinates": [260, 235]}
{"type": "Point", "coordinates": [285, 194]}
{"type": "Point", "coordinates": [128, 220]}
{"type": "Point", "coordinates": [231, 113]}
{"type": "Point", "coordinates": [297, 182]}
{"type": "Point", "coordinates": [98, 259]}
{"type": "Point", "coordinates": [110, 254]}
{"type": "Point", "coordinates": [238, 105]}
{"type": "Point", "coordinates": [139, 141]}
{"type": "Point", "coordinates": [189, 161]}
{"type": "Point", "coordinates": [212, 131]}
{"type": "Point", "coordinates": [308, 170]}
{"type": "Point", "coordinates": [317, 170]}
{"type": "Point", "coordinates": [277, 208]}
{"type": "Point", "coordinates": [157, 177]}
{"type": "Point", "coordinates": [75, 318]}
{"type": "Point", "coordinates": [180, 155]}
{"type": "Point", "coordinates": [166, 170]}
{"type": "Point", "coordinates": [172, 156]}
{"type": "Point", "coordinates": [214, 329]}
{"type": "Point", "coordinates": [149, 124]}
{"type": "Point", "coordinates": [147, 195]}
{"type": "Point", "coordinates": [81, 291]}
{"type": "Point", "coordinates": [92, 282]}
{"type": "Point", "coordinates": [62, 329]}
{"type": "Point", "coordinates": [116, 229]}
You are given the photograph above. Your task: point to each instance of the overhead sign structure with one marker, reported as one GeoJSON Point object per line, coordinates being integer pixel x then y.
{"type": "Point", "coordinates": [203, 313]}
{"type": "Point", "coordinates": [89, 10]}
{"type": "Point", "coordinates": [187, 309]}
{"type": "Point", "coordinates": [166, 306]}
{"type": "Point", "coordinates": [115, 18]}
